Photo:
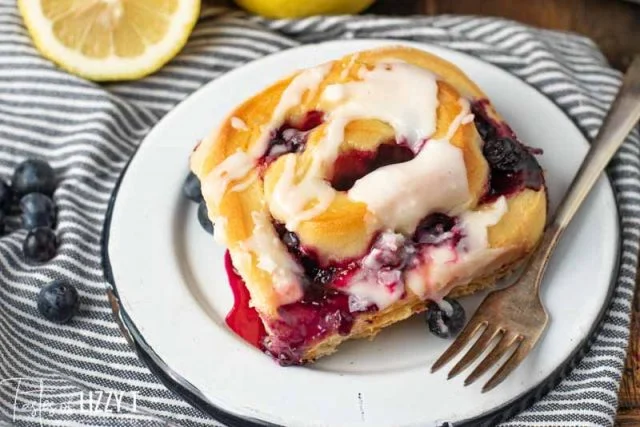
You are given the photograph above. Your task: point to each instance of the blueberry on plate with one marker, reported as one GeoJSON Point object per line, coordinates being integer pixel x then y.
{"type": "Point", "coordinates": [40, 245]}
{"type": "Point", "coordinates": [191, 188]}
{"type": "Point", "coordinates": [5, 196]}
{"type": "Point", "coordinates": [38, 210]}
{"type": "Point", "coordinates": [203, 218]}
{"type": "Point", "coordinates": [58, 301]}
{"type": "Point", "coordinates": [33, 176]}
{"type": "Point", "coordinates": [446, 319]}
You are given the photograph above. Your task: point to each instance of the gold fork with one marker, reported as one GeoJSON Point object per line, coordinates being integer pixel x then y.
{"type": "Point", "coordinates": [514, 318]}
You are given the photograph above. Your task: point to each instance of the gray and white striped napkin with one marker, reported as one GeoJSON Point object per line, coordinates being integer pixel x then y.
{"type": "Point", "coordinates": [89, 131]}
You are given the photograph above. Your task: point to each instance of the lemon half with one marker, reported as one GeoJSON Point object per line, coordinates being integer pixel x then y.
{"type": "Point", "coordinates": [110, 39]}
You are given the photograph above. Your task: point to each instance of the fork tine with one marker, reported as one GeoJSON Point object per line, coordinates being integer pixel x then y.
{"type": "Point", "coordinates": [523, 349]}
{"type": "Point", "coordinates": [498, 351]}
{"type": "Point", "coordinates": [467, 333]}
{"type": "Point", "coordinates": [476, 350]}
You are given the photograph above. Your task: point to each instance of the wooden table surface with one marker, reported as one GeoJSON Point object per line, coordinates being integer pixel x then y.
{"type": "Point", "coordinates": [615, 27]}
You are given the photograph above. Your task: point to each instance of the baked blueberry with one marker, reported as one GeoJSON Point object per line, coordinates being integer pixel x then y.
{"type": "Point", "coordinates": [445, 320]}
{"type": "Point", "coordinates": [203, 218]}
{"type": "Point", "coordinates": [40, 245]}
{"type": "Point", "coordinates": [33, 176]}
{"type": "Point", "coordinates": [504, 154]}
{"type": "Point", "coordinates": [191, 188]}
{"type": "Point", "coordinates": [5, 196]}
{"type": "Point", "coordinates": [485, 128]}
{"type": "Point", "coordinates": [291, 240]}
{"type": "Point", "coordinates": [431, 229]}
{"type": "Point", "coordinates": [58, 301]}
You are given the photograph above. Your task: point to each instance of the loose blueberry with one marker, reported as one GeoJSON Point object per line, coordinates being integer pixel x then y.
{"type": "Point", "coordinates": [35, 220]}
{"type": "Point", "coordinates": [38, 210]}
{"type": "Point", "coordinates": [203, 218]}
{"type": "Point", "coordinates": [58, 301]}
{"type": "Point", "coordinates": [37, 203]}
{"type": "Point", "coordinates": [5, 196]}
{"type": "Point", "coordinates": [191, 188]}
{"type": "Point", "coordinates": [40, 245]}
{"type": "Point", "coordinates": [447, 319]}
{"type": "Point", "coordinates": [34, 176]}
{"type": "Point", "coordinates": [2, 226]}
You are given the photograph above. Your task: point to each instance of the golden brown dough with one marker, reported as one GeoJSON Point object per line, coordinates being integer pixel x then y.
{"type": "Point", "coordinates": [247, 203]}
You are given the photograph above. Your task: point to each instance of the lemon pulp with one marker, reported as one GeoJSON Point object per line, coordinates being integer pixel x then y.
{"type": "Point", "coordinates": [109, 39]}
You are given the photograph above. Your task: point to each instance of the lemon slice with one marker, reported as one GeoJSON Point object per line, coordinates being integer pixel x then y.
{"type": "Point", "coordinates": [110, 39]}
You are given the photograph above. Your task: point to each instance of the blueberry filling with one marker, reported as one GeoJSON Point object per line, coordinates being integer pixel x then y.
{"type": "Point", "coordinates": [435, 229]}
{"type": "Point", "coordinates": [353, 165]}
{"type": "Point", "coordinates": [302, 322]}
{"type": "Point", "coordinates": [317, 276]}
{"type": "Point", "coordinates": [512, 165]}
{"type": "Point", "coordinates": [292, 138]}
{"type": "Point", "coordinates": [324, 309]}
{"type": "Point", "coordinates": [503, 154]}
{"type": "Point", "coordinates": [513, 168]}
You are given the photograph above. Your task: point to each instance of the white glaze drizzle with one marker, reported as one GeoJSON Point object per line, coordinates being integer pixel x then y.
{"type": "Point", "coordinates": [239, 164]}
{"type": "Point", "coordinates": [401, 195]}
{"type": "Point", "coordinates": [220, 232]}
{"type": "Point", "coordinates": [345, 72]}
{"type": "Point", "coordinates": [449, 266]}
{"type": "Point", "coordinates": [274, 258]}
{"type": "Point", "coordinates": [243, 185]}
{"type": "Point", "coordinates": [307, 81]}
{"type": "Point", "coordinates": [238, 124]}
{"type": "Point", "coordinates": [410, 108]}
{"type": "Point", "coordinates": [395, 193]}
{"type": "Point", "coordinates": [435, 180]}
{"type": "Point", "coordinates": [376, 283]}
{"type": "Point", "coordinates": [231, 169]}
{"type": "Point", "coordinates": [303, 200]}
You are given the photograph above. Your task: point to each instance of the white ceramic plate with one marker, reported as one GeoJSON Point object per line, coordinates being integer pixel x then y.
{"type": "Point", "coordinates": [171, 282]}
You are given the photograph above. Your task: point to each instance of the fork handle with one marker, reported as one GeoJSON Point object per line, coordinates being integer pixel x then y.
{"type": "Point", "coordinates": [622, 117]}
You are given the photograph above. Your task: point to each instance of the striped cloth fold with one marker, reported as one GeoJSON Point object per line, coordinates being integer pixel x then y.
{"type": "Point", "coordinates": [89, 131]}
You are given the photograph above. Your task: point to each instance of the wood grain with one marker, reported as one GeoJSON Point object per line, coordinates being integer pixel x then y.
{"type": "Point", "coordinates": [615, 26]}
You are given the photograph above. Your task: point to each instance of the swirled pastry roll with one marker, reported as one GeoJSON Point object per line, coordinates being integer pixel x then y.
{"type": "Point", "coordinates": [352, 193]}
